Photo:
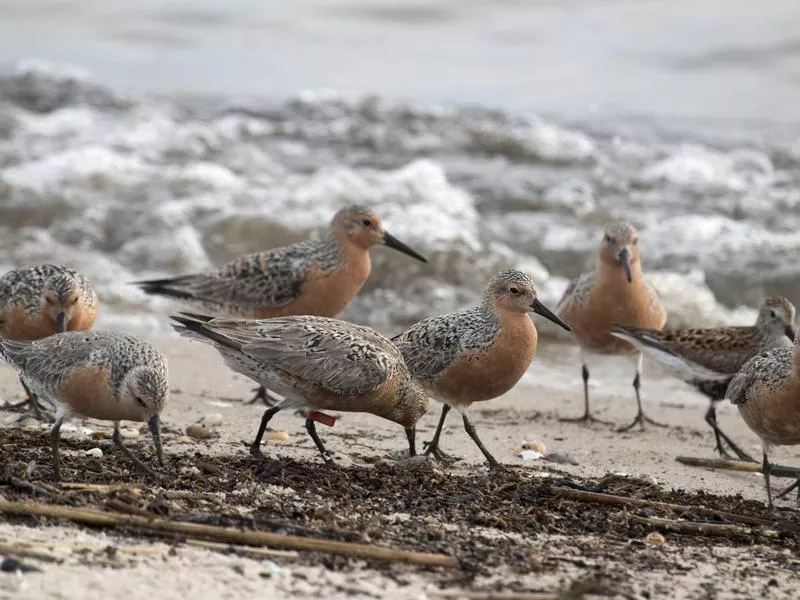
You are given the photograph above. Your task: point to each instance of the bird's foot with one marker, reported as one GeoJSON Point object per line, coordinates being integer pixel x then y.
{"type": "Point", "coordinates": [433, 450]}
{"type": "Point", "coordinates": [585, 419]}
{"type": "Point", "coordinates": [641, 419]}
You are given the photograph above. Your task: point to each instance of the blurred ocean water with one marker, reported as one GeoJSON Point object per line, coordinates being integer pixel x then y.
{"type": "Point", "coordinates": [487, 135]}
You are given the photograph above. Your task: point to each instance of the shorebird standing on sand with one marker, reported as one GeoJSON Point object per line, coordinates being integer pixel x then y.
{"type": "Point", "coordinates": [317, 363]}
{"type": "Point", "coordinates": [476, 354]}
{"type": "Point", "coordinates": [318, 277]}
{"type": "Point", "coordinates": [42, 300]}
{"type": "Point", "coordinates": [97, 374]}
{"type": "Point", "coordinates": [767, 392]}
{"type": "Point", "coordinates": [615, 292]}
{"type": "Point", "coordinates": [709, 358]}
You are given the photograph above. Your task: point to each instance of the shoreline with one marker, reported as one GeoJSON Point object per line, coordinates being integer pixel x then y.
{"type": "Point", "coordinates": [201, 384]}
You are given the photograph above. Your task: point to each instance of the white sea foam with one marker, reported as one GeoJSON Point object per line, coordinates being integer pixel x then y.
{"type": "Point", "coordinates": [125, 188]}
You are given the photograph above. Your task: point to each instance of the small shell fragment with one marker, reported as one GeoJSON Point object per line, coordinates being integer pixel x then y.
{"type": "Point", "coordinates": [192, 472]}
{"type": "Point", "coordinates": [654, 539]}
{"type": "Point", "coordinates": [95, 452]}
{"type": "Point", "coordinates": [535, 446]}
{"type": "Point", "coordinates": [212, 420]}
{"type": "Point", "coordinates": [129, 433]}
{"type": "Point", "coordinates": [530, 455]}
{"type": "Point", "coordinates": [276, 435]}
{"type": "Point", "coordinates": [200, 432]}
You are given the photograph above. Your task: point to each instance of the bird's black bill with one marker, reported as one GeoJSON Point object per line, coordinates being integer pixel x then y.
{"type": "Point", "coordinates": [61, 322]}
{"type": "Point", "coordinates": [541, 309]}
{"type": "Point", "coordinates": [154, 423]}
{"type": "Point", "coordinates": [625, 260]}
{"type": "Point", "coordinates": [393, 242]}
{"type": "Point", "coordinates": [790, 332]}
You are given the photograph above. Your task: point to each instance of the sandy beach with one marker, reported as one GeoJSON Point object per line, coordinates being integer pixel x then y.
{"type": "Point", "coordinates": [686, 566]}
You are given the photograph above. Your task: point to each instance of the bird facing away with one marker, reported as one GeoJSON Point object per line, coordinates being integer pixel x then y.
{"type": "Point", "coordinates": [315, 363]}
{"type": "Point", "coordinates": [709, 358]}
{"type": "Point", "coordinates": [476, 354]}
{"type": "Point", "coordinates": [316, 277]}
{"type": "Point", "coordinates": [615, 292]}
{"type": "Point", "coordinates": [98, 374]}
{"type": "Point", "coordinates": [767, 393]}
{"type": "Point", "coordinates": [41, 300]}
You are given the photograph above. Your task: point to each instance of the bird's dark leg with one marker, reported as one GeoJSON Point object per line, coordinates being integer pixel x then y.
{"type": "Point", "coordinates": [587, 416]}
{"type": "Point", "coordinates": [411, 434]}
{"type": "Point", "coordinates": [55, 432]}
{"type": "Point", "coordinates": [32, 401]}
{"type": "Point", "coordinates": [719, 436]}
{"type": "Point", "coordinates": [641, 418]}
{"type": "Point", "coordinates": [255, 447]}
{"type": "Point", "coordinates": [312, 431]}
{"type": "Point", "coordinates": [766, 468]}
{"type": "Point", "coordinates": [470, 429]}
{"type": "Point", "coordinates": [432, 447]}
{"type": "Point", "coordinates": [117, 439]}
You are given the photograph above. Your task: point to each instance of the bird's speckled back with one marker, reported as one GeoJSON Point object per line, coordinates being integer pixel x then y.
{"type": "Point", "coordinates": [48, 361]}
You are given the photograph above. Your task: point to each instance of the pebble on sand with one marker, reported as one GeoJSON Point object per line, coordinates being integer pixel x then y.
{"type": "Point", "coordinates": [200, 432]}
{"type": "Point", "coordinates": [96, 452]}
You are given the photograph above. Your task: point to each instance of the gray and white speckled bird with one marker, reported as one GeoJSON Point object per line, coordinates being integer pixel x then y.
{"type": "Point", "coordinates": [318, 277]}
{"type": "Point", "coordinates": [98, 374]}
{"type": "Point", "coordinates": [317, 363]}
{"type": "Point", "coordinates": [708, 358]}
{"type": "Point", "coordinates": [767, 393]}
{"type": "Point", "coordinates": [476, 354]}
{"type": "Point", "coordinates": [41, 300]}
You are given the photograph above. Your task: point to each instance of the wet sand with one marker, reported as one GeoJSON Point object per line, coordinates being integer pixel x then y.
{"type": "Point", "coordinates": [509, 533]}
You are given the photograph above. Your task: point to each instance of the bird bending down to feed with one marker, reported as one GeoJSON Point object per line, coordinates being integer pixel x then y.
{"type": "Point", "coordinates": [709, 358]}
{"type": "Point", "coordinates": [767, 393]}
{"type": "Point", "coordinates": [615, 292]}
{"type": "Point", "coordinates": [476, 354]}
{"type": "Point", "coordinates": [42, 300]}
{"type": "Point", "coordinates": [316, 363]}
{"type": "Point", "coordinates": [98, 374]}
{"type": "Point", "coordinates": [315, 277]}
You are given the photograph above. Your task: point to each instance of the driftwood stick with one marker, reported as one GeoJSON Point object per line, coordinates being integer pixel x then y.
{"type": "Point", "coordinates": [738, 465]}
{"type": "Point", "coordinates": [226, 534]}
{"type": "Point", "coordinates": [248, 550]}
{"type": "Point", "coordinates": [21, 551]}
{"type": "Point", "coordinates": [583, 496]}
{"type": "Point", "coordinates": [466, 595]}
{"type": "Point", "coordinates": [690, 527]}
{"type": "Point", "coordinates": [133, 488]}
{"type": "Point", "coordinates": [90, 548]}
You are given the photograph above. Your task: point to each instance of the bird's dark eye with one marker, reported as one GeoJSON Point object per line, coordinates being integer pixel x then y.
{"type": "Point", "coordinates": [773, 314]}
{"type": "Point", "coordinates": [607, 238]}
{"type": "Point", "coordinates": [514, 290]}
{"type": "Point", "coordinates": [366, 222]}
{"type": "Point", "coordinates": [140, 401]}
{"type": "Point", "coordinates": [635, 241]}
